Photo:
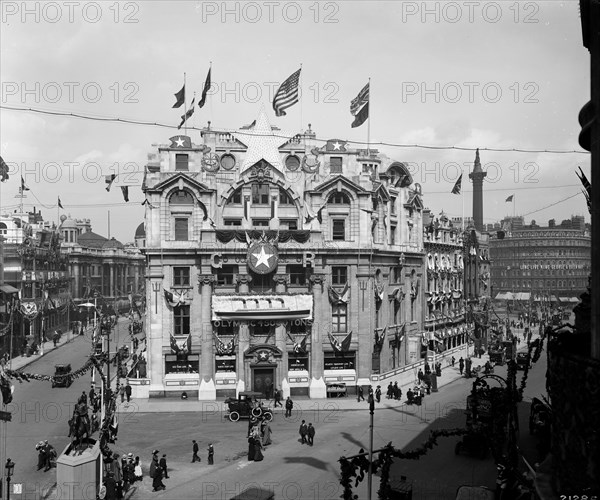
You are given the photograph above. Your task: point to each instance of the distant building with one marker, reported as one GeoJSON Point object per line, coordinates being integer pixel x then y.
{"type": "Point", "coordinates": [100, 264]}
{"type": "Point", "coordinates": [550, 260]}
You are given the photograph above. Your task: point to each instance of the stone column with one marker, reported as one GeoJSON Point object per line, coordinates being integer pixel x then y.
{"type": "Point", "coordinates": [317, 387]}
{"type": "Point", "coordinates": [208, 390]}
{"type": "Point", "coordinates": [111, 268]}
{"type": "Point", "coordinates": [243, 341]}
{"type": "Point", "coordinates": [77, 281]}
{"type": "Point", "coordinates": [281, 283]}
{"type": "Point", "coordinates": [155, 313]}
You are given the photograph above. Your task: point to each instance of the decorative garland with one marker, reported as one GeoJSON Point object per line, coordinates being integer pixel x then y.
{"type": "Point", "coordinates": [358, 465]}
{"type": "Point", "coordinates": [26, 377]}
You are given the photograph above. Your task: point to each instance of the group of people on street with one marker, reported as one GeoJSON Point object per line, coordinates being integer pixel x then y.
{"type": "Point", "coordinates": [196, 449]}
{"type": "Point", "coordinates": [158, 471]}
{"type": "Point", "coordinates": [307, 433]}
{"type": "Point", "coordinates": [46, 455]}
{"type": "Point", "coordinates": [121, 473]}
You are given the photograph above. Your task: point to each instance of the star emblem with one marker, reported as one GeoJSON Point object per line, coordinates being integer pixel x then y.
{"type": "Point", "coordinates": [179, 141]}
{"type": "Point", "coordinates": [263, 356]}
{"type": "Point", "coordinates": [337, 145]}
{"type": "Point", "coordinates": [262, 142]}
{"type": "Point", "coordinates": [262, 258]}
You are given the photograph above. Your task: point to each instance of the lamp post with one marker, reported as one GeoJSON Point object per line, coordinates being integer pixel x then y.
{"type": "Point", "coordinates": [10, 465]}
{"type": "Point", "coordinates": [370, 476]}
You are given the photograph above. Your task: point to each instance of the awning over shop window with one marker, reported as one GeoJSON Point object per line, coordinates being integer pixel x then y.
{"type": "Point", "coordinates": [8, 289]}
{"type": "Point", "coordinates": [257, 307]}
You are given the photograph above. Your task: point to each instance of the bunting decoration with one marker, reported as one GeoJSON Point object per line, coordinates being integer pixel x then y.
{"type": "Point", "coordinates": [185, 347]}
{"type": "Point", "coordinates": [109, 179]}
{"type": "Point", "coordinates": [188, 113]}
{"type": "Point", "coordinates": [205, 89]}
{"type": "Point", "coordinates": [399, 335]}
{"type": "Point", "coordinates": [378, 292]}
{"type": "Point", "coordinates": [340, 347]}
{"type": "Point", "coordinates": [175, 299]}
{"type": "Point", "coordinates": [300, 348]}
{"type": "Point", "coordinates": [457, 187]}
{"type": "Point", "coordinates": [29, 310]}
{"type": "Point", "coordinates": [287, 94]}
{"type": "Point", "coordinates": [342, 297]}
{"type": "Point", "coordinates": [222, 348]}
{"type": "Point", "coordinates": [380, 337]}
{"type": "Point", "coordinates": [125, 190]}
{"type": "Point", "coordinates": [180, 96]}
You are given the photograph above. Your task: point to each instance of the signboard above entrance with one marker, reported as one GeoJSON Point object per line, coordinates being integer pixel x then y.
{"type": "Point", "coordinates": [262, 307]}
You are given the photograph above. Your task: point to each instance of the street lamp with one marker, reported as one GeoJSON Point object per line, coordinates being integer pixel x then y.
{"type": "Point", "coordinates": [10, 465]}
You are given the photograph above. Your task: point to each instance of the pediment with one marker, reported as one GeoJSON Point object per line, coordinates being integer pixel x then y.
{"type": "Point", "coordinates": [178, 177]}
{"type": "Point", "coordinates": [327, 185]}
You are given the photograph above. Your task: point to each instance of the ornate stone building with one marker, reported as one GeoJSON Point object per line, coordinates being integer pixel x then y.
{"type": "Point", "coordinates": [277, 260]}
{"type": "Point", "coordinates": [445, 301]}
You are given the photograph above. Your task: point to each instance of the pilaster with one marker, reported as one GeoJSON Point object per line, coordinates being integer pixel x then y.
{"type": "Point", "coordinates": [317, 387]}
{"type": "Point", "coordinates": [207, 365]}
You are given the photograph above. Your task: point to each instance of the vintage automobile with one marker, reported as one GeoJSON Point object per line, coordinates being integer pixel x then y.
{"type": "Point", "coordinates": [247, 404]}
{"type": "Point", "coordinates": [522, 361]}
{"type": "Point", "coordinates": [60, 379]}
{"type": "Point", "coordinates": [497, 355]}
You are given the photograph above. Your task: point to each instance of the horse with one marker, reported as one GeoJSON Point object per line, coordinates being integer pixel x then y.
{"type": "Point", "coordinates": [78, 428]}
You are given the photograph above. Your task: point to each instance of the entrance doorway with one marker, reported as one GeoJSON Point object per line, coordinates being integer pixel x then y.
{"type": "Point", "coordinates": [262, 381]}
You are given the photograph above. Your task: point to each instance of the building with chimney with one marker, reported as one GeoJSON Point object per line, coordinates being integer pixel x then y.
{"type": "Point", "coordinates": [278, 261]}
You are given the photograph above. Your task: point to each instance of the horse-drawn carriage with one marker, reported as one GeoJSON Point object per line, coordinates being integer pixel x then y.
{"type": "Point", "coordinates": [247, 405]}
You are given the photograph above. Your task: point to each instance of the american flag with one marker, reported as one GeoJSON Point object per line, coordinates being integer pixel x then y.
{"type": "Point", "coordinates": [287, 94]}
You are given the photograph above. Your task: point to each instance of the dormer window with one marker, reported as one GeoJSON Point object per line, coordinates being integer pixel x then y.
{"type": "Point", "coordinates": [181, 162]}
{"type": "Point", "coordinates": [335, 164]}
{"type": "Point", "coordinates": [339, 198]}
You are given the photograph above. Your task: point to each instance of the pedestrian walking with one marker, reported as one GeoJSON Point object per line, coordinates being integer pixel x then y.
{"type": "Point", "coordinates": [378, 394]}
{"type": "Point", "coordinates": [266, 433]}
{"type": "Point", "coordinates": [390, 391]}
{"type": "Point", "coordinates": [360, 394]}
{"type": "Point", "coordinates": [195, 448]}
{"type": "Point", "coordinates": [128, 391]}
{"type": "Point", "coordinates": [461, 365]}
{"type": "Point", "coordinates": [289, 404]}
{"type": "Point", "coordinates": [211, 454]}
{"type": "Point", "coordinates": [251, 448]}
{"type": "Point", "coordinates": [258, 448]}
{"type": "Point", "coordinates": [157, 483]}
{"type": "Point", "coordinates": [277, 398]}
{"type": "Point", "coordinates": [453, 361]}
{"type": "Point", "coordinates": [396, 390]}
{"type": "Point", "coordinates": [122, 393]}
{"type": "Point", "coordinates": [137, 469]}
{"type": "Point", "coordinates": [163, 465]}
{"type": "Point", "coordinates": [420, 375]}
{"type": "Point", "coordinates": [302, 431]}
{"type": "Point", "coordinates": [310, 431]}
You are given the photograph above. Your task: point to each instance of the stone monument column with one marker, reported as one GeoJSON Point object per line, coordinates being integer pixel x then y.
{"type": "Point", "coordinates": [243, 338]}
{"type": "Point", "coordinates": [208, 390]}
{"type": "Point", "coordinates": [317, 388]}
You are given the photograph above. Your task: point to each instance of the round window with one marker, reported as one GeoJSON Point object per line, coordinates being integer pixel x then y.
{"type": "Point", "coordinates": [227, 161]}
{"type": "Point", "coordinates": [292, 162]}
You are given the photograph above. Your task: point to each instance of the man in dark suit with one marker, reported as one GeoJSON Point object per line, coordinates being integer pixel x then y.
{"type": "Point", "coordinates": [303, 431]}
{"type": "Point", "coordinates": [310, 431]}
{"type": "Point", "coordinates": [195, 448]}
{"type": "Point", "coordinates": [163, 466]}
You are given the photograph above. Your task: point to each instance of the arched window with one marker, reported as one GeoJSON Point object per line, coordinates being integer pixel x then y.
{"type": "Point", "coordinates": [3, 228]}
{"type": "Point", "coordinates": [235, 198]}
{"type": "Point", "coordinates": [285, 198]}
{"type": "Point", "coordinates": [181, 198]}
{"type": "Point", "coordinates": [339, 198]}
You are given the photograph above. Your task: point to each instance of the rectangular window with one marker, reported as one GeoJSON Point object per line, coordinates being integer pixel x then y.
{"type": "Point", "coordinates": [339, 275]}
{"type": "Point", "coordinates": [393, 205]}
{"type": "Point", "coordinates": [232, 222]}
{"type": "Point", "coordinates": [341, 362]}
{"type": "Point", "coordinates": [181, 228]}
{"type": "Point", "coordinates": [181, 162]}
{"type": "Point", "coordinates": [181, 276]}
{"type": "Point", "coordinates": [236, 199]}
{"type": "Point", "coordinates": [225, 363]}
{"type": "Point", "coordinates": [297, 362]}
{"type": "Point", "coordinates": [226, 275]}
{"type": "Point", "coordinates": [339, 229]}
{"type": "Point", "coordinates": [262, 283]}
{"type": "Point", "coordinates": [335, 164]}
{"type": "Point", "coordinates": [260, 194]}
{"type": "Point", "coordinates": [392, 235]}
{"type": "Point", "coordinates": [181, 316]}
{"type": "Point", "coordinates": [260, 222]}
{"type": "Point", "coordinates": [297, 275]}
{"type": "Point", "coordinates": [339, 316]}
{"type": "Point", "coordinates": [182, 363]}
{"type": "Point", "coordinates": [289, 224]}
{"type": "Point", "coordinates": [284, 198]}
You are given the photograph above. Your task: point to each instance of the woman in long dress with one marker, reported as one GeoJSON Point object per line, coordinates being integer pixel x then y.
{"type": "Point", "coordinates": [258, 456]}
{"type": "Point", "coordinates": [251, 448]}
{"type": "Point", "coordinates": [266, 434]}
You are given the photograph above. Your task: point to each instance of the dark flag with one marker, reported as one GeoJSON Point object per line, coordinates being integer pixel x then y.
{"type": "Point", "coordinates": [588, 189]}
{"type": "Point", "coordinates": [346, 342]}
{"type": "Point", "coordinates": [188, 113]}
{"type": "Point", "coordinates": [109, 179]}
{"type": "Point", "coordinates": [287, 94]}
{"type": "Point", "coordinates": [125, 190]}
{"type": "Point", "coordinates": [510, 198]}
{"type": "Point", "coordinates": [60, 204]}
{"type": "Point", "coordinates": [457, 186]}
{"type": "Point", "coordinates": [3, 170]}
{"type": "Point", "coordinates": [205, 89]}
{"type": "Point", "coordinates": [180, 96]}
{"type": "Point", "coordinates": [361, 117]}
{"type": "Point", "coordinates": [23, 186]}
{"type": "Point", "coordinates": [174, 347]}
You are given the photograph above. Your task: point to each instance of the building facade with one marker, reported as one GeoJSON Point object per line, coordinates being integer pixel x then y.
{"type": "Point", "coordinates": [97, 263]}
{"type": "Point", "coordinates": [551, 260]}
{"type": "Point", "coordinates": [445, 302]}
{"type": "Point", "coordinates": [277, 261]}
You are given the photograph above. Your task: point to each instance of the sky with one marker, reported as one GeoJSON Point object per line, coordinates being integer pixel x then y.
{"type": "Point", "coordinates": [446, 78]}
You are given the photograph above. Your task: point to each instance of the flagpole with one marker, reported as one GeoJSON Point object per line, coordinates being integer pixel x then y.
{"type": "Point", "coordinates": [369, 118]}
{"type": "Point", "coordinates": [514, 213]}
{"type": "Point", "coordinates": [210, 95]}
{"type": "Point", "coordinates": [184, 104]}
{"type": "Point", "coordinates": [300, 95]}
{"type": "Point", "coordinates": [463, 204]}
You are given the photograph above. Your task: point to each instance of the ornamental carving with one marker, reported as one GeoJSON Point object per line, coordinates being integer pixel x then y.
{"type": "Point", "coordinates": [281, 279]}
{"type": "Point", "coordinates": [243, 279]}
{"type": "Point", "coordinates": [317, 280]}
{"type": "Point", "coordinates": [206, 279]}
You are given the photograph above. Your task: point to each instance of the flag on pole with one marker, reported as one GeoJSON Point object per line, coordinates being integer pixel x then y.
{"type": "Point", "coordinates": [588, 189]}
{"type": "Point", "coordinates": [205, 89]}
{"type": "Point", "coordinates": [60, 204]}
{"type": "Point", "coordinates": [287, 94]}
{"type": "Point", "coordinates": [457, 187]}
{"type": "Point", "coordinates": [109, 179]}
{"type": "Point", "coordinates": [359, 107]}
{"type": "Point", "coordinates": [188, 113]}
{"type": "Point", "coordinates": [23, 186]}
{"type": "Point", "coordinates": [3, 170]}
{"type": "Point", "coordinates": [125, 190]}
{"type": "Point", "coordinates": [510, 198]}
{"type": "Point", "coordinates": [360, 100]}
{"type": "Point", "coordinates": [180, 96]}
